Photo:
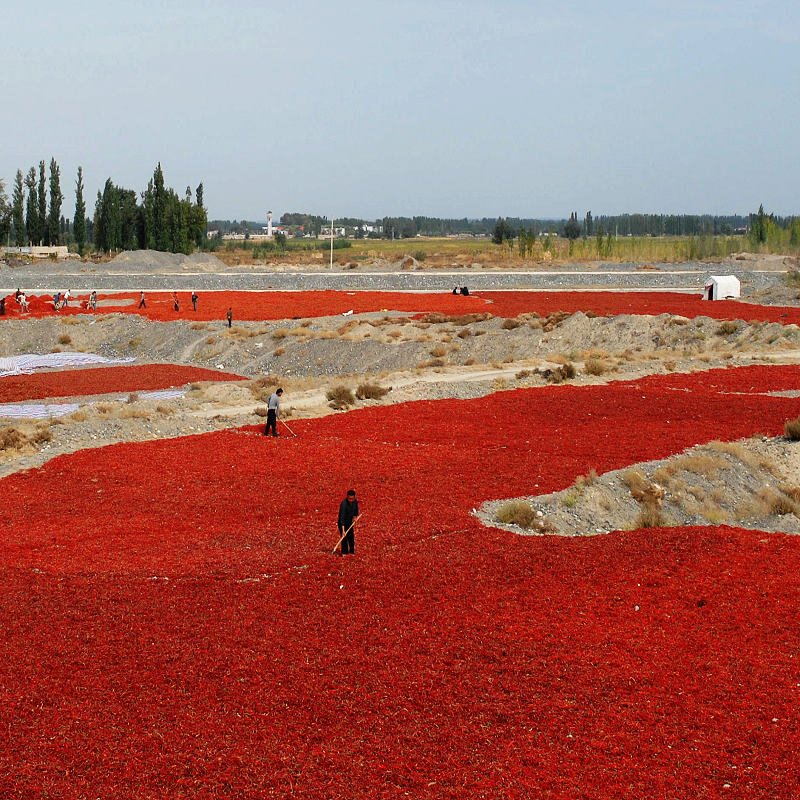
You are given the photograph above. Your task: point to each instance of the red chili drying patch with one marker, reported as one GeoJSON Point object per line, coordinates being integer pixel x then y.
{"type": "Point", "coordinates": [272, 305]}
{"type": "Point", "coordinates": [104, 380]}
{"type": "Point", "coordinates": [175, 626]}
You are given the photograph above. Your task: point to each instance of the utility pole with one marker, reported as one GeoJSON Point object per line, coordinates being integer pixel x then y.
{"type": "Point", "coordinates": [332, 241]}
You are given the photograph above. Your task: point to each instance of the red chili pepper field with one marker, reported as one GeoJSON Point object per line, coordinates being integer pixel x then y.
{"type": "Point", "coordinates": [104, 380]}
{"type": "Point", "coordinates": [174, 625]}
{"type": "Point", "coordinates": [285, 305]}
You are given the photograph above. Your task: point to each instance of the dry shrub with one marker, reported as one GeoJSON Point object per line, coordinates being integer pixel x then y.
{"type": "Point", "coordinates": [41, 434]}
{"type": "Point", "coordinates": [464, 333]}
{"type": "Point", "coordinates": [261, 411]}
{"type": "Point", "coordinates": [522, 374]}
{"type": "Point", "coordinates": [197, 326]}
{"type": "Point", "coordinates": [595, 366]}
{"type": "Point", "coordinates": [347, 327]}
{"type": "Point", "coordinates": [635, 480]}
{"type": "Point", "coordinates": [65, 338]}
{"type": "Point", "coordinates": [649, 495]}
{"type": "Point", "coordinates": [469, 362]}
{"type": "Point", "coordinates": [70, 321]}
{"type": "Point", "coordinates": [792, 491]}
{"type": "Point", "coordinates": [165, 411]}
{"type": "Point", "coordinates": [670, 366]}
{"type": "Point", "coordinates": [395, 334]}
{"type": "Point", "coordinates": [439, 351]}
{"type": "Point", "coordinates": [769, 501]}
{"type": "Point", "coordinates": [586, 480]}
{"type": "Point", "coordinates": [280, 333]}
{"type": "Point", "coordinates": [510, 324]}
{"type": "Point", "coordinates": [701, 463]}
{"type": "Point", "coordinates": [211, 340]}
{"type": "Point", "coordinates": [134, 343]}
{"type": "Point", "coordinates": [306, 323]}
{"type": "Point", "coordinates": [103, 408]}
{"type": "Point", "coordinates": [517, 512]}
{"type": "Point", "coordinates": [650, 517]}
{"type": "Point", "coordinates": [554, 320]}
{"type": "Point", "coordinates": [727, 328]}
{"type": "Point", "coordinates": [371, 391]}
{"type": "Point", "coordinates": [791, 429]}
{"type": "Point", "coordinates": [340, 396]}
{"type": "Point", "coordinates": [133, 397]}
{"type": "Point", "coordinates": [279, 351]}
{"type": "Point", "coordinates": [460, 320]}
{"type": "Point", "coordinates": [79, 416]}
{"type": "Point", "coordinates": [12, 438]}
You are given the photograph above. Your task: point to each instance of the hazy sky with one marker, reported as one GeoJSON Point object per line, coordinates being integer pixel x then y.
{"type": "Point", "coordinates": [510, 107]}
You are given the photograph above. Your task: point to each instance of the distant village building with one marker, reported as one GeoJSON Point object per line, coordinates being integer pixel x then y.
{"type": "Point", "coordinates": [56, 251]}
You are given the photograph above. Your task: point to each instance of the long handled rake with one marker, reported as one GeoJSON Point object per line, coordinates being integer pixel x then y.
{"type": "Point", "coordinates": [345, 533]}
{"type": "Point", "coordinates": [289, 429]}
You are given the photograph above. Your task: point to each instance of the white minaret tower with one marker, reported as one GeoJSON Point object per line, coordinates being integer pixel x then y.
{"type": "Point", "coordinates": [269, 224]}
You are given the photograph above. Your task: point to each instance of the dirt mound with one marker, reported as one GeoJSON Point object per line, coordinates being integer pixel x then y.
{"type": "Point", "coordinates": [158, 261]}
{"type": "Point", "coordinates": [752, 483]}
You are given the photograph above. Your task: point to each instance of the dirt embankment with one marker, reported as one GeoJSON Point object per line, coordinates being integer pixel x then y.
{"type": "Point", "coordinates": [753, 483]}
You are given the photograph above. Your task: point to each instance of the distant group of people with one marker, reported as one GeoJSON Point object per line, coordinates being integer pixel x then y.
{"type": "Point", "coordinates": [61, 299]}
{"type": "Point", "coordinates": [461, 290]}
{"type": "Point", "coordinates": [22, 300]}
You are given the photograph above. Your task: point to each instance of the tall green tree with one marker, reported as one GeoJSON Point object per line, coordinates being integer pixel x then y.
{"type": "Point", "coordinates": [5, 214]}
{"type": "Point", "coordinates": [42, 236]}
{"type": "Point", "coordinates": [572, 230]}
{"type": "Point", "coordinates": [18, 211]}
{"type": "Point", "coordinates": [31, 207]}
{"type": "Point", "coordinates": [79, 221]}
{"type": "Point", "coordinates": [56, 198]}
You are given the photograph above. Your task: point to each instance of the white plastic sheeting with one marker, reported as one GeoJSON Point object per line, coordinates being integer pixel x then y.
{"type": "Point", "coordinates": [45, 410]}
{"type": "Point", "coordinates": [19, 365]}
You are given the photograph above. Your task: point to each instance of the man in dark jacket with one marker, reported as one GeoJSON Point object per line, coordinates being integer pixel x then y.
{"type": "Point", "coordinates": [348, 516]}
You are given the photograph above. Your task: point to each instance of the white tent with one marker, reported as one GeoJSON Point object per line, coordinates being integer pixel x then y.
{"type": "Point", "coordinates": [722, 287]}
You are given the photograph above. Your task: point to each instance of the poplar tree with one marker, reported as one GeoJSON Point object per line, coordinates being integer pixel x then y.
{"type": "Point", "coordinates": [18, 211]}
{"type": "Point", "coordinates": [79, 220]}
{"type": "Point", "coordinates": [41, 217]}
{"type": "Point", "coordinates": [56, 198]}
{"type": "Point", "coordinates": [31, 207]}
{"type": "Point", "coordinates": [5, 214]}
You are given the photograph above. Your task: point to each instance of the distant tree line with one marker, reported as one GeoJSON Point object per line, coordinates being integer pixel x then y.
{"type": "Point", "coordinates": [572, 228]}
{"type": "Point", "coordinates": [158, 219]}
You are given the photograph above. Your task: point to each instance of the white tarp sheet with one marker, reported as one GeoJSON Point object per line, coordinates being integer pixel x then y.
{"type": "Point", "coordinates": [44, 410]}
{"type": "Point", "coordinates": [19, 365]}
